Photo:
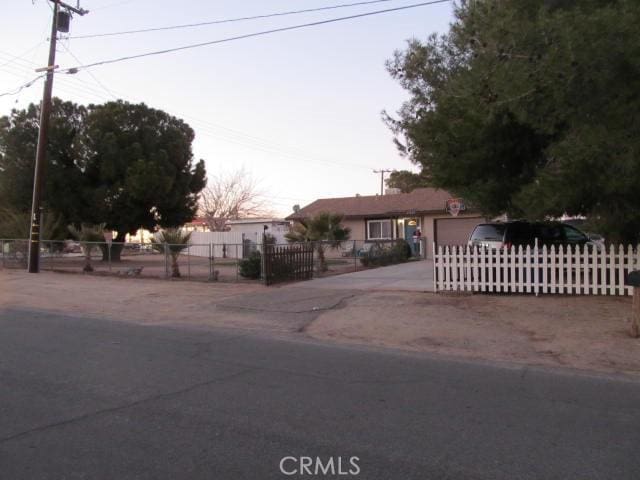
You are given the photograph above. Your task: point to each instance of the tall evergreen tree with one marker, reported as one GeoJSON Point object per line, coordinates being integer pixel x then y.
{"type": "Point", "coordinates": [530, 108]}
{"type": "Point", "coordinates": [126, 165]}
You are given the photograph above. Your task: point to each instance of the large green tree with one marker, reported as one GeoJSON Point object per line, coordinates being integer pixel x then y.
{"type": "Point", "coordinates": [140, 168]}
{"type": "Point", "coordinates": [407, 181]}
{"type": "Point", "coordinates": [530, 108]}
{"type": "Point", "coordinates": [126, 165]}
{"type": "Point", "coordinates": [65, 160]}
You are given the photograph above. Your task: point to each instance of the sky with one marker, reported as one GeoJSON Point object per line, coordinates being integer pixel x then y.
{"type": "Point", "coordinates": [300, 110]}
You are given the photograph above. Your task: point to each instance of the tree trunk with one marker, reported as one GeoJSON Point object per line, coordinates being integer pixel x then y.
{"type": "Point", "coordinates": [87, 259]}
{"type": "Point", "coordinates": [322, 265]}
{"type": "Point", "coordinates": [116, 248]}
{"type": "Point", "coordinates": [175, 269]}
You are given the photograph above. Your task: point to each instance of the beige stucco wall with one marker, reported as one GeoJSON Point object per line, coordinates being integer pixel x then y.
{"type": "Point", "coordinates": [427, 227]}
{"type": "Point", "coordinates": [357, 228]}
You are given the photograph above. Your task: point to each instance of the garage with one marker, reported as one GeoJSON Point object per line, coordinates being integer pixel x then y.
{"type": "Point", "coordinates": [454, 230]}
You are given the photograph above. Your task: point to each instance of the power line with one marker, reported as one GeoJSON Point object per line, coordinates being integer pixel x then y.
{"type": "Point", "coordinates": [88, 71]}
{"type": "Point", "coordinates": [22, 87]}
{"type": "Point", "coordinates": [74, 84]}
{"type": "Point", "coordinates": [111, 5]}
{"type": "Point", "coordinates": [68, 84]}
{"type": "Point", "coordinates": [21, 55]}
{"type": "Point", "coordinates": [214, 130]}
{"type": "Point", "coordinates": [230, 20]}
{"type": "Point", "coordinates": [98, 82]}
{"type": "Point", "coordinates": [210, 129]}
{"type": "Point", "coordinates": [382, 171]}
{"type": "Point", "coordinates": [255, 34]}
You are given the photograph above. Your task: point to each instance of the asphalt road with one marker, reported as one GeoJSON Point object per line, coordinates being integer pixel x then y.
{"type": "Point", "coordinates": [96, 399]}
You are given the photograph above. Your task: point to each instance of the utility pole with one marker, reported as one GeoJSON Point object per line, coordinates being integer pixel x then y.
{"type": "Point", "coordinates": [41, 151]}
{"type": "Point", "coordinates": [382, 172]}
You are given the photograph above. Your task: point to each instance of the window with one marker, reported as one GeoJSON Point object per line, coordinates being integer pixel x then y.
{"type": "Point", "coordinates": [379, 229]}
{"type": "Point", "coordinates": [520, 233]}
{"type": "Point", "coordinates": [573, 235]}
{"type": "Point", "coordinates": [488, 232]}
{"type": "Point", "coordinates": [550, 234]}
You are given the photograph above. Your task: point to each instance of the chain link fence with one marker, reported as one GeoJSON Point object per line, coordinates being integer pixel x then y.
{"type": "Point", "coordinates": [192, 262]}
{"type": "Point", "coordinates": [203, 262]}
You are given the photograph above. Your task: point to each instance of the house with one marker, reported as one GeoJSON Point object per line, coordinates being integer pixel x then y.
{"type": "Point", "coordinates": [198, 224]}
{"type": "Point", "coordinates": [440, 216]}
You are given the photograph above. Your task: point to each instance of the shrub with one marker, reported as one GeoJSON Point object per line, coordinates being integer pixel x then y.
{"type": "Point", "coordinates": [380, 254]}
{"type": "Point", "coordinates": [251, 267]}
{"type": "Point", "coordinates": [402, 250]}
{"type": "Point", "coordinates": [173, 241]}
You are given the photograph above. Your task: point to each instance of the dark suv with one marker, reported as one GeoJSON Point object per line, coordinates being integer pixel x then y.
{"type": "Point", "coordinates": [508, 234]}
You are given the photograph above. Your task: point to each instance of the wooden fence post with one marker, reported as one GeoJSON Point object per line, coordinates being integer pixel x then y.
{"type": "Point", "coordinates": [635, 313]}
{"type": "Point", "coordinates": [633, 280]}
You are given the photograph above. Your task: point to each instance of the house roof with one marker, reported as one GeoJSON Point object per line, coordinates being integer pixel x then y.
{"type": "Point", "coordinates": [197, 221]}
{"type": "Point", "coordinates": [256, 221]}
{"type": "Point", "coordinates": [419, 201]}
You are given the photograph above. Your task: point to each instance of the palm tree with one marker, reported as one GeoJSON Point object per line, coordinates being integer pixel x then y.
{"type": "Point", "coordinates": [176, 241]}
{"type": "Point", "coordinates": [324, 229]}
{"type": "Point", "coordinates": [16, 224]}
{"type": "Point", "coordinates": [89, 237]}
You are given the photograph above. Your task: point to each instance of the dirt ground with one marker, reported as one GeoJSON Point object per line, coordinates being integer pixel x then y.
{"type": "Point", "coordinates": [152, 265]}
{"type": "Point", "coordinates": [571, 331]}
{"type": "Point", "coordinates": [140, 300]}
{"type": "Point", "coordinates": [587, 333]}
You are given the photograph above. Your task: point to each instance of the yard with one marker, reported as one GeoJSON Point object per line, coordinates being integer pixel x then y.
{"type": "Point", "coordinates": [583, 332]}
{"type": "Point", "coordinates": [193, 262]}
{"type": "Point", "coordinates": [136, 262]}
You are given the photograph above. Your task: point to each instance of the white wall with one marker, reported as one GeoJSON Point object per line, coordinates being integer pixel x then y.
{"type": "Point", "coordinates": [220, 241]}
{"type": "Point", "coordinates": [253, 231]}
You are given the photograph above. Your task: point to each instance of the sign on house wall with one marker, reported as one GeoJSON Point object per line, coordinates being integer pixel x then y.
{"type": "Point", "coordinates": [454, 206]}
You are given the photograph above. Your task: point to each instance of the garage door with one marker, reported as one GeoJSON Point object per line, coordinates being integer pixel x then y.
{"type": "Point", "coordinates": [455, 231]}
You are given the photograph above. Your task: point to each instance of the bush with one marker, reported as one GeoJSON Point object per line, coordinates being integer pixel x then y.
{"type": "Point", "coordinates": [402, 250]}
{"type": "Point", "coordinates": [251, 267]}
{"type": "Point", "coordinates": [380, 254]}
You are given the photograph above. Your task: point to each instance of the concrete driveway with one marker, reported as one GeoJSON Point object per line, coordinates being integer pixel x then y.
{"type": "Point", "coordinates": [413, 276]}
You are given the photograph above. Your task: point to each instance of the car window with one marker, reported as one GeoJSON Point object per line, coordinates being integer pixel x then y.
{"type": "Point", "coordinates": [574, 235]}
{"type": "Point", "coordinates": [551, 234]}
{"type": "Point", "coordinates": [487, 232]}
{"type": "Point", "coordinates": [520, 234]}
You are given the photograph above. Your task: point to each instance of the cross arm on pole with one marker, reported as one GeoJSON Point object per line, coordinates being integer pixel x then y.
{"type": "Point", "coordinates": [79, 11]}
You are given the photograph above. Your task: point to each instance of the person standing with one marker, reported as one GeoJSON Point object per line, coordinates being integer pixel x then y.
{"type": "Point", "coordinates": [417, 235]}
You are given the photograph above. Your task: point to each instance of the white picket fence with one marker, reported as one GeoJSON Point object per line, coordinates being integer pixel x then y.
{"type": "Point", "coordinates": [572, 270]}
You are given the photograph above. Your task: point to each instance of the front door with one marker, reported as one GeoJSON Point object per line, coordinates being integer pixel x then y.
{"type": "Point", "coordinates": [410, 227]}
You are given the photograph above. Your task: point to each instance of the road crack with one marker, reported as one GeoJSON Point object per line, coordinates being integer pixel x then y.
{"type": "Point", "coordinates": [105, 411]}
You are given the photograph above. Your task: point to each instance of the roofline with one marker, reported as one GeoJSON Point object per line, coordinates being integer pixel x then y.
{"type": "Point", "coordinates": [256, 220]}
{"type": "Point", "coordinates": [377, 195]}
{"type": "Point", "coordinates": [296, 216]}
